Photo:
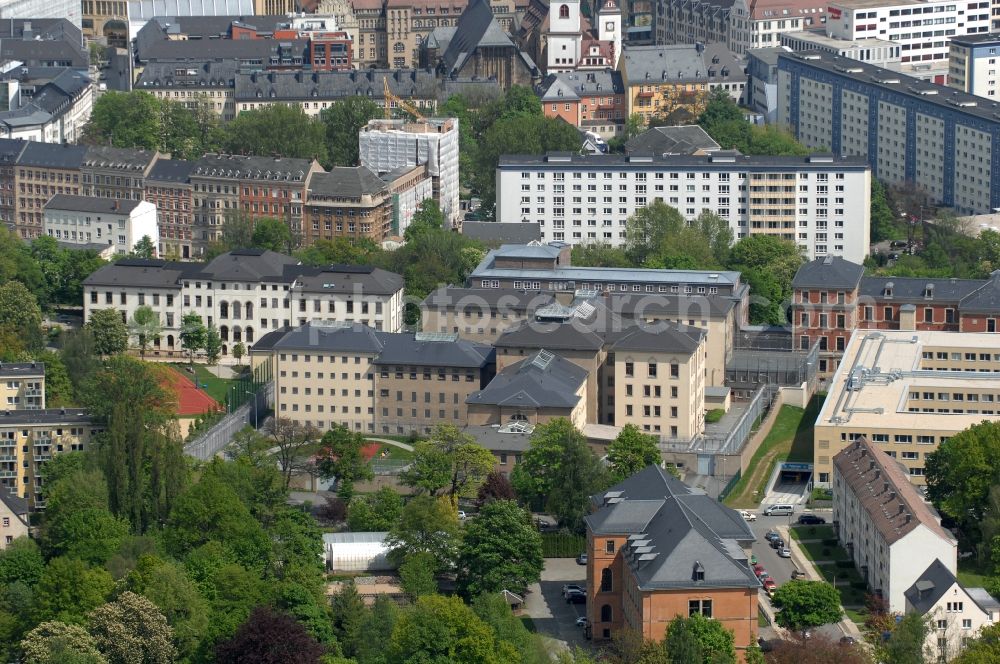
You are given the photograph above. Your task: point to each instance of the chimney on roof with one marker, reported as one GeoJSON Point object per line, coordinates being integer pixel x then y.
{"type": "Point", "coordinates": [908, 517]}
{"type": "Point", "coordinates": [902, 507]}
{"type": "Point", "coordinates": [871, 464]}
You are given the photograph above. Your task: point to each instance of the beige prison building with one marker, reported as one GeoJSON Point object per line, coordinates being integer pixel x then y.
{"type": "Point", "coordinates": [907, 392]}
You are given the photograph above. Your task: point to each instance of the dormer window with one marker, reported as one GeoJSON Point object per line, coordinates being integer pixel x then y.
{"type": "Point", "coordinates": [699, 571]}
{"type": "Point", "coordinates": [887, 290]}
{"type": "Point", "coordinates": [929, 292]}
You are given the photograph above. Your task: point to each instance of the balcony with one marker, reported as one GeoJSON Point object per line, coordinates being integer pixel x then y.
{"type": "Point", "coordinates": [8, 473]}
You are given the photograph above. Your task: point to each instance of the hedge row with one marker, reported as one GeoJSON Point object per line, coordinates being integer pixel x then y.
{"type": "Point", "coordinates": [562, 545]}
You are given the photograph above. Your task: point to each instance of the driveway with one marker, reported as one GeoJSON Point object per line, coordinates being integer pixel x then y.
{"type": "Point", "coordinates": [553, 617]}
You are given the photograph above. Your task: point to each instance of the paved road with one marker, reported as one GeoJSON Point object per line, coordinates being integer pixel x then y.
{"type": "Point", "coordinates": [780, 568]}
{"type": "Point", "coordinates": [553, 617]}
{"type": "Point", "coordinates": [787, 493]}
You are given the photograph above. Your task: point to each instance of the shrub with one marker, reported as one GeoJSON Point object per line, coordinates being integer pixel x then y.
{"type": "Point", "coordinates": [333, 511]}
{"type": "Point", "coordinates": [562, 545]}
{"type": "Point", "coordinates": [714, 415]}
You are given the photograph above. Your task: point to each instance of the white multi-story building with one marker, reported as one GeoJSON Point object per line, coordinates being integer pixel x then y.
{"type": "Point", "coordinates": [387, 145]}
{"type": "Point", "coordinates": [890, 531]}
{"type": "Point", "coordinates": [972, 64]}
{"type": "Point", "coordinates": [760, 23]}
{"type": "Point", "coordinates": [922, 28]}
{"type": "Point", "coordinates": [85, 220]}
{"type": "Point", "coordinates": [820, 202]}
{"type": "Point", "coordinates": [876, 51]}
{"type": "Point", "coordinates": [910, 131]}
{"type": "Point", "coordinates": [246, 294]}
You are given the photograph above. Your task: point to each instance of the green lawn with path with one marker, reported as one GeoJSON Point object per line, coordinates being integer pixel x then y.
{"type": "Point", "coordinates": [846, 580]}
{"type": "Point", "coordinates": [790, 439]}
{"type": "Point", "coordinates": [392, 452]}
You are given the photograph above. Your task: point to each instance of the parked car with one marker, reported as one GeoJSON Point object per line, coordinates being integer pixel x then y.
{"type": "Point", "coordinates": [581, 621]}
{"type": "Point", "coordinates": [782, 509]}
{"type": "Point", "coordinates": [581, 559]}
{"type": "Point", "coordinates": [811, 520]}
{"type": "Point", "coordinates": [796, 574]}
{"type": "Point", "coordinates": [848, 641]}
{"type": "Point", "coordinates": [753, 558]}
{"type": "Point", "coordinates": [572, 587]}
{"type": "Point", "coordinates": [576, 598]}
{"type": "Point", "coordinates": [769, 585]}
{"type": "Point", "coordinates": [461, 515]}
{"type": "Point", "coordinates": [765, 645]}
{"type": "Point", "coordinates": [895, 244]}
{"type": "Point", "coordinates": [748, 516]}
{"type": "Point", "coordinates": [785, 552]}
{"type": "Point", "coordinates": [894, 256]}
{"type": "Point", "coordinates": [757, 569]}
{"type": "Point", "coordinates": [777, 543]}
{"type": "Point", "coordinates": [770, 535]}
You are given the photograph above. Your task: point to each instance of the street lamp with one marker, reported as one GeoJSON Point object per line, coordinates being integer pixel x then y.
{"type": "Point", "coordinates": [254, 397]}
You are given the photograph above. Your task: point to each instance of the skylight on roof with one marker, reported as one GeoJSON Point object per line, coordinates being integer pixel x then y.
{"type": "Point", "coordinates": [543, 359]}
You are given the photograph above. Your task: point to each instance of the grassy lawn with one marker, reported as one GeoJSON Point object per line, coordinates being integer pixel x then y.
{"type": "Point", "coordinates": [818, 551]}
{"type": "Point", "coordinates": [762, 619]}
{"type": "Point", "coordinates": [216, 387]}
{"type": "Point", "coordinates": [800, 533]}
{"type": "Point", "coordinates": [393, 452]}
{"type": "Point", "coordinates": [790, 439]}
{"type": "Point", "coordinates": [972, 575]}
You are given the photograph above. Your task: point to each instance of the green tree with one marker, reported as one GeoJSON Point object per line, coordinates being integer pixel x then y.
{"type": "Point", "coordinates": [343, 250]}
{"type": "Point", "coordinates": [295, 446]}
{"type": "Point", "coordinates": [125, 120]}
{"type": "Point", "coordinates": [145, 327]}
{"type": "Point", "coordinates": [144, 248]}
{"type": "Point", "coordinates": [269, 637]}
{"type": "Point", "coordinates": [277, 129]}
{"type": "Point", "coordinates": [984, 649]}
{"type": "Point", "coordinates": [132, 629]}
{"type": "Point", "coordinates": [375, 512]}
{"type": "Point", "coordinates": [342, 122]}
{"type": "Point", "coordinates": [501, 550]}
{"type": "Point", "coordinates": [631, 451]}
{"type": "Point", "coordinates": [237, 231]}
{"type": "Point", "coordinates": [428, 217]}
{"type": "Point", "coordinates": [417, 576]}
{"type": "Point", "coordinates": [58, 387]}
{"type": "Point", "coordinates": [79, 354]}
{"type": "Point", "coordinates": [508, 628]}
{"type": "Point", "coordinates": [649, 231]}
{"type": "Point", "coordinates": [20, 316]}
{"type": "Point", "coordinates": [68, 589]}
{"type": "Point", "coordinates": [884, 224]}
{"type": "Point", "coordinates": [960, 473]}
{"type": "Point", "coordinates": [21, 561]}
{"type": "Point", "coordinates": [708, 637]}
{"type": "Point", "coordinates": [427, 525]}
{"type": "Point", "coordinates": [560, 471]}
{"type": "Point", "coordinates": [443, 629]}
{"type": "Point", "coordinates": [108, 331]}
{"type": "Point", "coordinates": [768, 264]}
{"type": "Point", "coordinates": [495, 487]}
{"type": "Point", "coordinates": [58, 643]}
{"type": "Point", "coordinates": [451, 462]}
{"type": "Point", "coordinates": [348, 610]}
{"type": "Point", "coordinates": [906, 641]}
{"type": "Point", "coordinates": [599, 254]}
{"type": "Point", "coordinates": [167, 585]}
{"type": "Point", "coordinates": [340, 456]}
{"type": "Point", "coordinates": [296, 547]}
{"type": "Point", "coordinates": [89, 534]}
{"type": "Point", "coordinates": [239, 350]}
{"type": "Point", "coordinates": [273, 234]}
{"type": "Point", "coordinates": [192, 334]}
{"type": "Point", "coordinates": [212, 343]}
{"type": "Point", "coordinates": [377, 627]}
{"type": "Point", "coordinates": [805, 604]}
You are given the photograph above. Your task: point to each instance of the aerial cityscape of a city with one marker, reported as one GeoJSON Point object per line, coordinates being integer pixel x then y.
{"type": "Point", "coordinates": [499, 332]}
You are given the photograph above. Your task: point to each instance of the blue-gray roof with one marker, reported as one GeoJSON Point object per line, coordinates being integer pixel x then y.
{"type": "Point", "coordinates": [543, 380]}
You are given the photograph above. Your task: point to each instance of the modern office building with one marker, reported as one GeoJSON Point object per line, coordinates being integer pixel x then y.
{"type": "Point", "coordinates": [922, 28]}
{"type": "Point", "coordinates": [854, 108]}
{"type": "Point", "coordinates": [22, 385]}
{"type": "Point", "coordinates": [972, 64]}
{"type": "Point", "coordinates": [879, 52]}
{"type": "Point", "coordinates": [907, 392]}
{"type": "Point", "coordinates": [820, 201]}
{"type": "Point", "coordinates": [87, 221]}
{"type": "Point", "coordinates": [386, 146]}
{"type": "Point", "coordinates": [246, 294]}
{"type": "Point", "coordinates": [658, 549]}
{"type": "Point", "coordinates": [890, 531]}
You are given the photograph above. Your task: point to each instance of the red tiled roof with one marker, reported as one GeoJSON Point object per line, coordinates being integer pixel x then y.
{"type": "Point", "coordinates": [190, 400]}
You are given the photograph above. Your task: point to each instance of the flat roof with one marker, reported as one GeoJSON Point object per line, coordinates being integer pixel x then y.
{"type": "Point", "coordinates": [17, 369]}
{"type": "Point", "coordinates": [881, 403]}
{"type": "Point", "coordinates": [977, 40]}
{"type": "Point", "coordinates": [817, 37]}
{"type": "Point", "coordinates": [861, 4]}
{"type": "Point", "coordinates": [887, 80]}
{"type": "Point", "coordinates": [725, 160]}
{"type": "Point", "coordinates": [46, 416]}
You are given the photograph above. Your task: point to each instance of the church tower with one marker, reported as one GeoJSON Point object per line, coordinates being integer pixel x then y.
{"type": "Point", "coordinates": [609, 28]}
{"type": "Point", "coordinates": [565, 37]}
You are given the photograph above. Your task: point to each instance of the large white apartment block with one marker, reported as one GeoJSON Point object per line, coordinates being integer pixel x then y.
{"type": "Point", "coordinates": [922, 28]}
{"type": "Point", "coordinates": [891, 532]}
{"type": "Point", "coordinates": [820, 202]}
{"type": "Point", "coordinates": [88, 221]}
{"type": "Point", "coordinates": [972, 64]}
{"type": "Point", "coordinates": [909, 130]}
{"type": "Point", "coordinates": [246, 294]}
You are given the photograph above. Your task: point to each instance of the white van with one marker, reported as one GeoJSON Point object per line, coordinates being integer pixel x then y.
{"type": "Point", "coordinates": [778, 510]}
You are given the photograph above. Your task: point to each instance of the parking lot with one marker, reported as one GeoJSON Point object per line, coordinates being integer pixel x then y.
{"type": "Point", "coordinates": [552, 616]}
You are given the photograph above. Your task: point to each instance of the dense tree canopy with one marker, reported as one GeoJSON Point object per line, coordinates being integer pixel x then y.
{"type": "Point", "coordinates": [805, 604]}
{"type": "Point", "coordinates": [277, 130]}
{"type": "Point", "coordinates": [501, 550]}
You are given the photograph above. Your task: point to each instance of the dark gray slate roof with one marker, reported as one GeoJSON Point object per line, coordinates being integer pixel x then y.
{"type": "Point", "coordinates": [101, 156]}
{"type": "Point", "coordinates": [411, 349]}
{"type": "Point", "coordinates": [457, 298]}
{"type": "Point", "coordinates": [673, 529]}
{"type": "Point", "coordinates": [10, 149]}
{"type": "Point", "coordinates": [52, 155]}
{"type": "Point", "coordinates": [248, 265]}
{"type": "Point", "coordinates": [911, 289]}
{"type": "Point", "coordinates": [333, 337]}
{"type": "Point", "coordinates": [405, 83]}
{"type": "Point", "coordinates": [985, 299]}
{"type": "Point", "coordinates": [161, 28]}
{"type": "Point", "coordinates": [543, 380]}
{"type": "Point", "coordinates": [175, 171]}
{"type": "Point", "coordinates": [242, 167]}
{"type": "Point", "coordinates": [508, 232]}
{"type": "Point", "coordinates": [930, 587]}
{"type": "Point", "coordinates": [828, 272]}
{"type": "Point", "coordinates": [360, 279]}
{"type": "Point", "coordinates": [492, 439]}
{"type": "Point", "coordinates": [689, 307]}
{"type": "Point", "coordinates": [682, 139]}
{"type": "Point", "coordinates": [44, 416]}
{"type": "Point", "coordinates": [47, 52]}
{"type": "Point", "coordinates": [662, 338]}
{"type": "Point", "coordinates": [559, 336]}
{"type": "Point", "coordinates": [264, 51]}
{"type": "Point", "coordinates": [714, 63]}
{"type": "Point", "coordinates": [142, 273]}
{"type": "Point", "coordinates": [17, 505]}
{"type": "Point", "coordinates": [477, 28]}
{"type": "Point", "coordinates": [346, 182]}
{"type": "Point", "coordinates": [15, 369]}
{"type": "Point", "coordinates": [92, 204]}
{"type": "Point", "coordinates": [176, 74]}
